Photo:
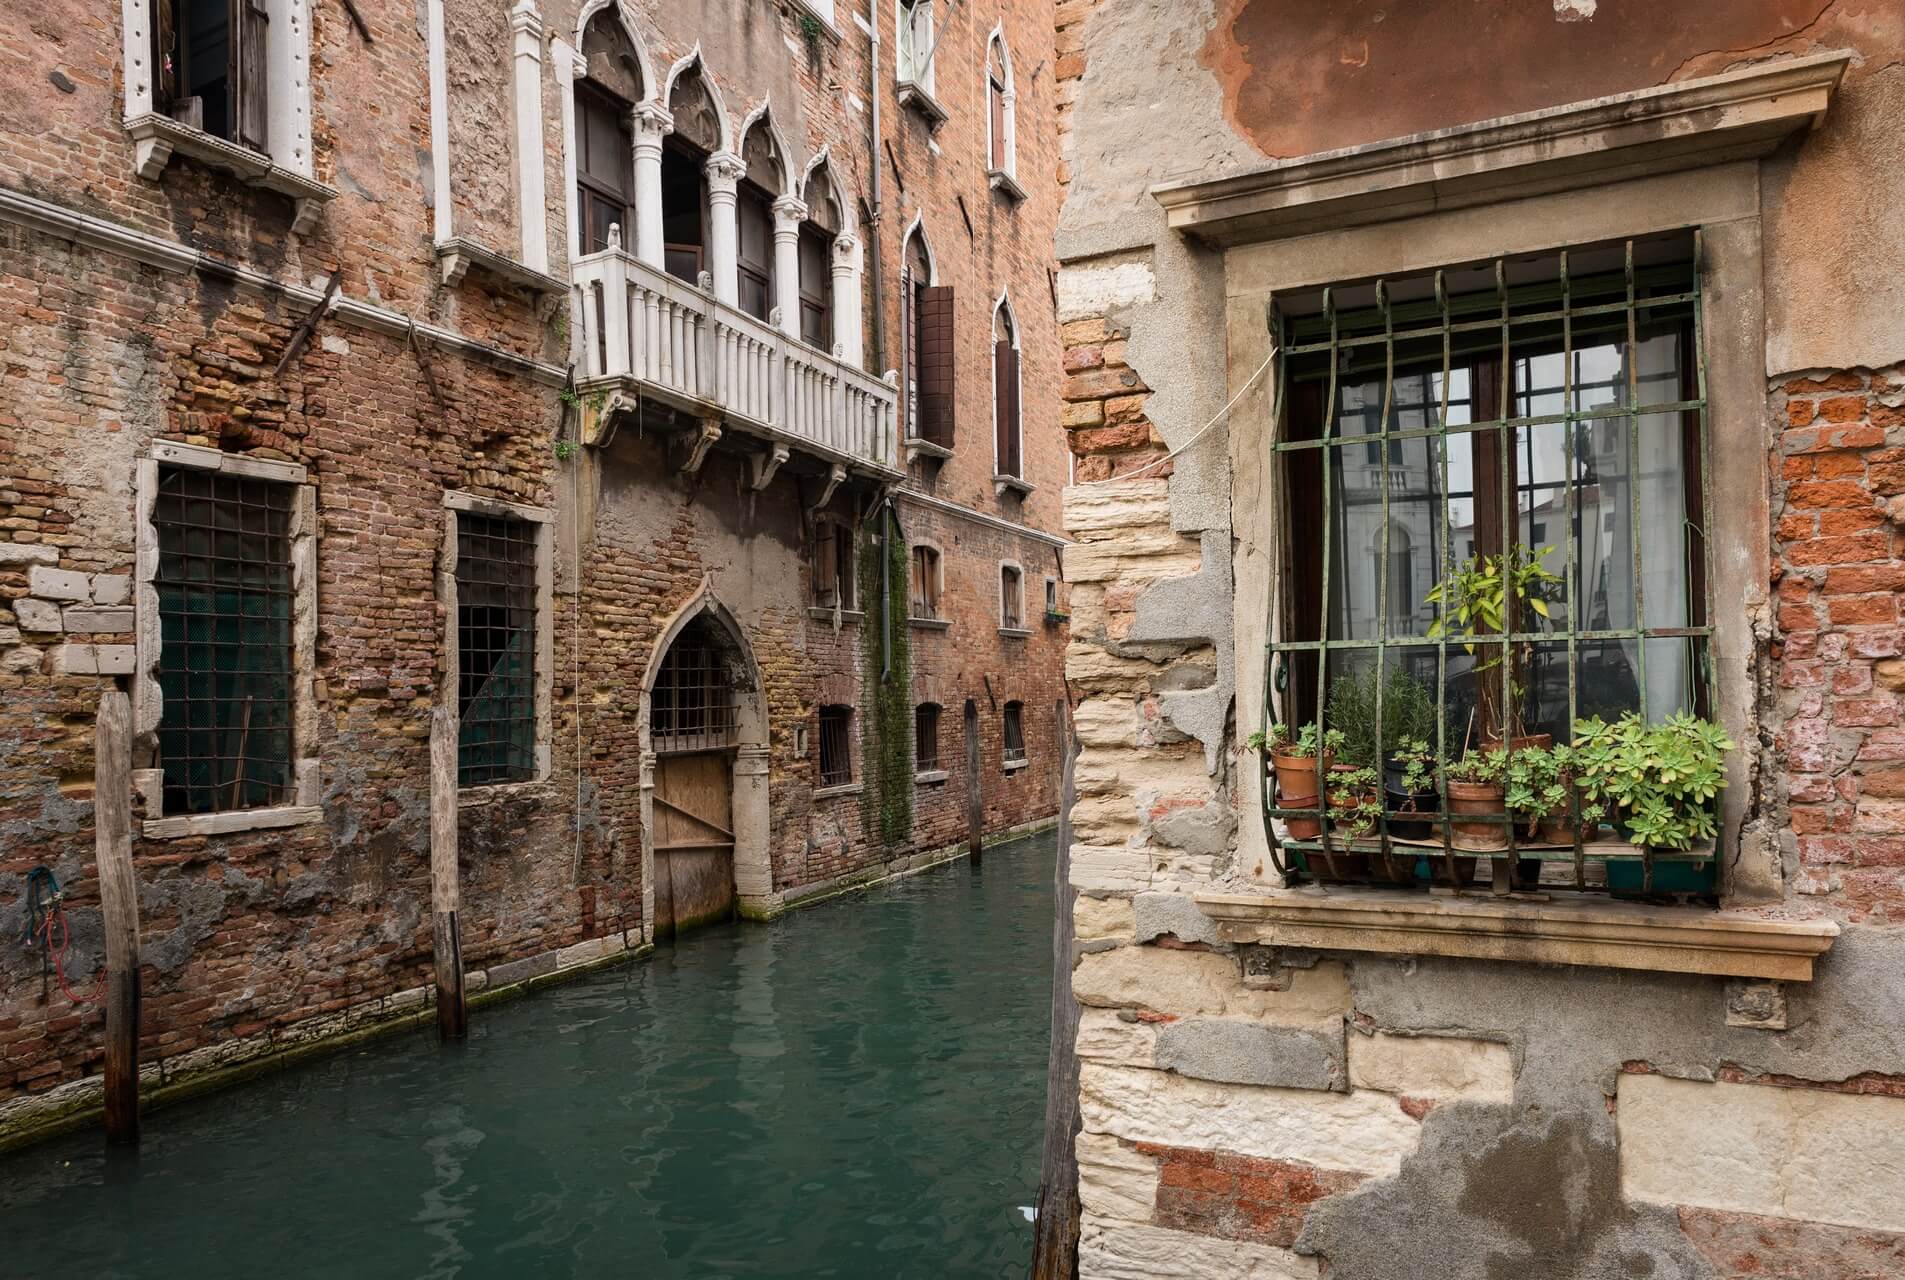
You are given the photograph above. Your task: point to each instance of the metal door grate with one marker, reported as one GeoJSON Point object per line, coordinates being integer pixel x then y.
{"type": "Point", "coordinates": [496, 649]}
{"type": "Point", "coordinates": [225, 590]}
{"type": "Point", "coordinates": [693, 705]}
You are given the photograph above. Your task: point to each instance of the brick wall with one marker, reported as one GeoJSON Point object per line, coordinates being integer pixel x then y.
{"type": "Point", "coordinates": [1838, 573]}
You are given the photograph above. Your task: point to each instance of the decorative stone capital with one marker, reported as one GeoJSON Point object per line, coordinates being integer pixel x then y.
{"type": "Point", "coordinates": [724, 170]}
{"type": "Point", "coordinates": [846, 254]}
{"type": "Point", "coordinates": [788, 213]}
{"type": "Point", "coordinates": [650, 122]}
{"type": "Point", "coordinates": [525, 23]}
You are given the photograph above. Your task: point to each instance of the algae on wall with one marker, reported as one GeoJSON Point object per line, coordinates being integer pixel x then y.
{"type": "Point", "coordinates": [886, 712]}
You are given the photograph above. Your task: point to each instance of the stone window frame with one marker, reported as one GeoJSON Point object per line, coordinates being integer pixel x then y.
{"type": "Point", "coordinates": [456, 502]}
{"type": "Point", "coordinates": [288, 167]}
{"type": "Point", "coordinates": [847, 584]}
{"type": "Point", "coordinates": [1003, 178]}
{"type": "Point", "coordinates": [938, 772]}
{"type": "Point", "coordinates": [1010, 711]}
{"type": "Point", "coordinates": [147, 696]}
{"type": "Point", "coordinates": [937, 620]}
{"type": "Point", "coordinates": [1006, 628]}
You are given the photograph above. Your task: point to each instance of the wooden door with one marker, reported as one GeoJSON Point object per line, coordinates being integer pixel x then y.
{"type": "Point", "coordinates": [694, 840]}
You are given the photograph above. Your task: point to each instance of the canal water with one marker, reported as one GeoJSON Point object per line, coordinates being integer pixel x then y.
{"type": "Point", "coordinates": [856, 1090]}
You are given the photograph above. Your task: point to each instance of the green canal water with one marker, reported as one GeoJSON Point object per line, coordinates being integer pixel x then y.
{"type": "Point", "coordinates": [856, 1090]}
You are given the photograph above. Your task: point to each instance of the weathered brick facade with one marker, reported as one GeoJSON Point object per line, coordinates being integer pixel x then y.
{"type": "Point", "coordinates": [1287, 1079]}
{"type": "Point", "coordinates": [140, 310]}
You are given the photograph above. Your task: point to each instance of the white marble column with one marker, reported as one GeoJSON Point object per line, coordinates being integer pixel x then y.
{"type": "Point", "coordinates": [570, 67]}
{"type": "Point", "coordinates": [846, 300]}
{"type": "Point", "coordinates": [650, 123]}
{"type": "Point", "coordinates": [787, 215]}
{"type": "Point", "coordinates": [724, 172]}
{"type": "Point", "coordinates": [532, 195]}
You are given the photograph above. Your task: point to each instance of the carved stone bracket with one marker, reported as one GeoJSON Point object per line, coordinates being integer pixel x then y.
{"type": "Point", "coordinates": [707, 431]}
{"type": "Point", "coordinates": [763, 465]}
{"type": "Point", "coordinates": [835, 474]}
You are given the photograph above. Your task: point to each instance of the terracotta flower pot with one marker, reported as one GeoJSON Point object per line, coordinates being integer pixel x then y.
{"type": "Point", "coordinates": [1477, 798]}
{"type": "Point", "coordinates": [1524, 742]}
{"type": "Point", "coordinates": [1296, 789]}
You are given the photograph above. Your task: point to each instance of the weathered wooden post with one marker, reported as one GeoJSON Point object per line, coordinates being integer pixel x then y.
{"type": "Point", "coordinates": [975, 792]}
{"type": "Point", "coordinates": [1055, 1234]}
{"type": "Point", "coordinates": [453, 1015]}
{"type": "Point", "coordinates": [119, 907]}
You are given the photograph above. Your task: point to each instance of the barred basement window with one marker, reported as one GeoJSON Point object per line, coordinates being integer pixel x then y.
{"type": "Point", "coordinates": [836, 746]}
{"type": "Point", "coordinates": [496, 649]}
{"type": "Point", "coordinates": [1012, 733]}
{"type": "Point", "coordinates": [926, 737]}
{"type": "Point", "coordinates": [224, 584]}
{"type": "Point", "coordinates": [1547, 411]}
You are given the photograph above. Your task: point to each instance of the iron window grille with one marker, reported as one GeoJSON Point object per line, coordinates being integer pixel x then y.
{"type": "Point", "coordinates": [1512, 401]}
{"type": "Point", "coordinates": [496, 649]}
{"type": "Point", "coordinates": [836, 746]}
{"type": "Point", "coordinates": [1012, 733]}
{"type": "Point", "coordinates": [225, 590]}
{"type": "Point", "coordinates": [926, 737]}
{"type": "Point", "coordinates": [693, 706]}
{"type": "Point", "coordinates": [1011, 598]}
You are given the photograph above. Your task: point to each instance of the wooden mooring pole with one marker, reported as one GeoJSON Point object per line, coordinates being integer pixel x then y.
{"type": "Point", "coordinates": [453, 1014]}
{"type": "Point", "coordinates": [119, 908]}
{"type": "Point", "coordinates": [1055, 1231]}
{"type": "Point", "coordinates": [975, 790]}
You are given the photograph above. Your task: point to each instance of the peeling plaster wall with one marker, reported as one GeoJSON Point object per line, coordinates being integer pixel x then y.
{"type": "Point", "coordinates": [1475, 1109]}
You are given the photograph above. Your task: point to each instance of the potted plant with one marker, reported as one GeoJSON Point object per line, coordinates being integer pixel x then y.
{"type": "Point", "coordinates": [1482, 598]}
{"type": "Point", "coordinates": [1408, 712]}
{"type": "Point", "coordinates": [1354, 808]}
{"type": "Point", "coordinates": [1409, 789]}
{"type": "Point", "coordinates": [1476, 791]}
{"type": "Point", "coordinates": [1294, 759]}
{"type": "Point", "coordinates": [1657, 783]}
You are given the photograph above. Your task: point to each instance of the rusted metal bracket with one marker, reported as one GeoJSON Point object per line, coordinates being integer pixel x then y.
{"type": "Point", "coordinates": [423, 363]}
{"type": "Point", "coordinates": [989, 695]}
{"type": "Point", "coordinates": [970, 234]}
{"type": "Point", "coordinates": [357, 20]}
{"type": "Point", "coordinates": [301, 336]}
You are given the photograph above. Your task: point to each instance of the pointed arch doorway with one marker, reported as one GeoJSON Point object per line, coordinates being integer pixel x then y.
{"type": "Point", "coordinates": [704, 774]}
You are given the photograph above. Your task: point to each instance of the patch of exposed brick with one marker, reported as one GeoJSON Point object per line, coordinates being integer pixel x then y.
{"type": "Point", "coordinates": [1237, 1197]}
{"type": "Point", "coordinates": [1744, 1246]}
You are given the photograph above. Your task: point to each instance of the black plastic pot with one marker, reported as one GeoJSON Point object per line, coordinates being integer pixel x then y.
{"type": "Point", "coordinates": [1397, 797]}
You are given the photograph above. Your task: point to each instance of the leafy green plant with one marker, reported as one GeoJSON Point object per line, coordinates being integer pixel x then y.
{"type": "Point", "coordinates": [1476, 600]}
{"type": "Point", "coordinates": [1478, 767]}
{"type": "Point", "coordinates": [565, 450]}
{"type": "Point", "coordinates": [1408, 711]}
{"type": "Point", "coordinates": [1354, 803]}
{"type": "Point", "coordinates": [810, 32]}
{"type": "Point", "coordinates": [1533, 782]}
{"type": "Point", "coordinates": [1659, 781]}
{"type": "Point", "coordinates": [1418, 766]}
{"type": "Point", "coordinates": [1309, 740]}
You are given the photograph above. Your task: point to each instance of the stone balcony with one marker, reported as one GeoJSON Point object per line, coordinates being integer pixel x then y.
{"type": "Point", "coordinates": [650, 339]}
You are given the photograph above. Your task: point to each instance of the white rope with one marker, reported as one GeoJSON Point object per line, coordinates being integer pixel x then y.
{"type": "Point", "coordinates": [1202, 431]}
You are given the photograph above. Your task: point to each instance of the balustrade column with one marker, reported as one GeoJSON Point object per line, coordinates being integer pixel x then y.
{"type": "Point", "coordinates": [787, 215]}
{"type": "Point", "coordinates": [847, 342]}
{"type": "Point", "coordinates": [650, 123]}
{"type": "Point", "coordinates": [724, 172]}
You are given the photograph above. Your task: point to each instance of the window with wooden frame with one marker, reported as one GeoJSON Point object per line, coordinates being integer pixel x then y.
{"type": "Point", "coordinates": [684, 177]}
{"type": "Point", "coordinates": [1011, 597]}
{"type": "Point", "coordinates": [1012, 734]}
{"type": "Point", "coordinates": [496, 606]}
{"type": "Point", "coordinates": [605, 166]}
{"type": "Point", "coordinates": [928, 322]}
{"type": "Point", "coordinates": [1539, 423]}
{"type": "Point", "coordinates": [816, 287]}
{"type": "Point", "coordinates": [926, 738]}
{"type": "Point", "coordinates": [1008, 437]}
{"type": "Point", "coordinates": [914, 63]}
{"type": "Point", "coordinates": [754, 249]}
{"type": "Point", "coordinates": [926, 582]}
{"type": "Point", "coordinates": [211, 59]}
{"type": "Point", "coordinates": [225, 591]}
{"type": "Point", "coordinates": [836, 746]}
{"type": "Point", "coordinates": [832, 567]}
{"type": "Point", "coordinates": [999, 105]}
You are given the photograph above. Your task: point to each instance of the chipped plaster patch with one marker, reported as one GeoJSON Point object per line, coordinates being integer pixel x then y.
{"type": "Point", "coordinates": [1091, 289]}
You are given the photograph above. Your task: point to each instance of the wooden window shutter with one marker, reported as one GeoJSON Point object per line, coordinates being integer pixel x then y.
{"type": "Point", "coordinates": [1005, 400]}
{"type": "Point", "coordinates": [250, 78]}
{"type": "Point", "coordinates": [936, 365]}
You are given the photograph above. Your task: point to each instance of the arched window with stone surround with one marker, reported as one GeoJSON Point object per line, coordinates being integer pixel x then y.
{"type": "Point", "coordinates": [604, 140]}
{"type": "Point", "coordinates": [684, 179]}
{"type": "Point", "coordinates": [763, 182]}
{"type": "Point", "coordinates": [1001, 133]}
{"type": "Point", "coordinates": [1008, 435]}
{"type": "Point", "coordinates": [824, 222]}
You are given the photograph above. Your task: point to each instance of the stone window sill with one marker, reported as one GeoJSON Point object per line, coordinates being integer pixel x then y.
{"type": "Point", "coordinates": [1603, 934]}
{"type": "Point", "coordinates": [1005, 184]}
{"type": "Point", "coordinates": [915, 96]}
{"type": "Point", "coordinates": [156, 137]}
{"type": "Point", "coordinates": [930, 624]}
{"type": "Point", "coordinates": [1013, 766]}
{"type": "Point", "coordinates": [458, 254]}
{"type": "Point", "coordinates": [844, 789]}
{"type": "Point", "coordinates": [917, 447]}
{"type": "Point", "coordinates": [218, 824]}
{"type": "Point", "coordinates": [1002, 485]}
{"type": "Point", "coordinates": [930, 777]}
{"type": "Point", "coordinates": [1015, 633]}
{"type": "Point", "coordinates": [826, 615]}
{"type": "Point", "coordinates": [825, 23]}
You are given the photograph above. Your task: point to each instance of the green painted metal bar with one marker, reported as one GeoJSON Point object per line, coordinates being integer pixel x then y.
{"type": "Point", "coordinates": [1571, 585]}
{"type": "Point", "coordinates": [1704, 648]}
{"type": "Point", "coordinates": [1448, 567]}
{"type": "Point", "coordinates": [1323, 605]}
{"type": "Point", "coordinates": [1537, 420]}
{"type": "Point", "coordinates": [1633, 493]}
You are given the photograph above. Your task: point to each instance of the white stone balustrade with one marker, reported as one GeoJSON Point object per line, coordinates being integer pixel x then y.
{"type": "Point", "coordinates": [640, 322]}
